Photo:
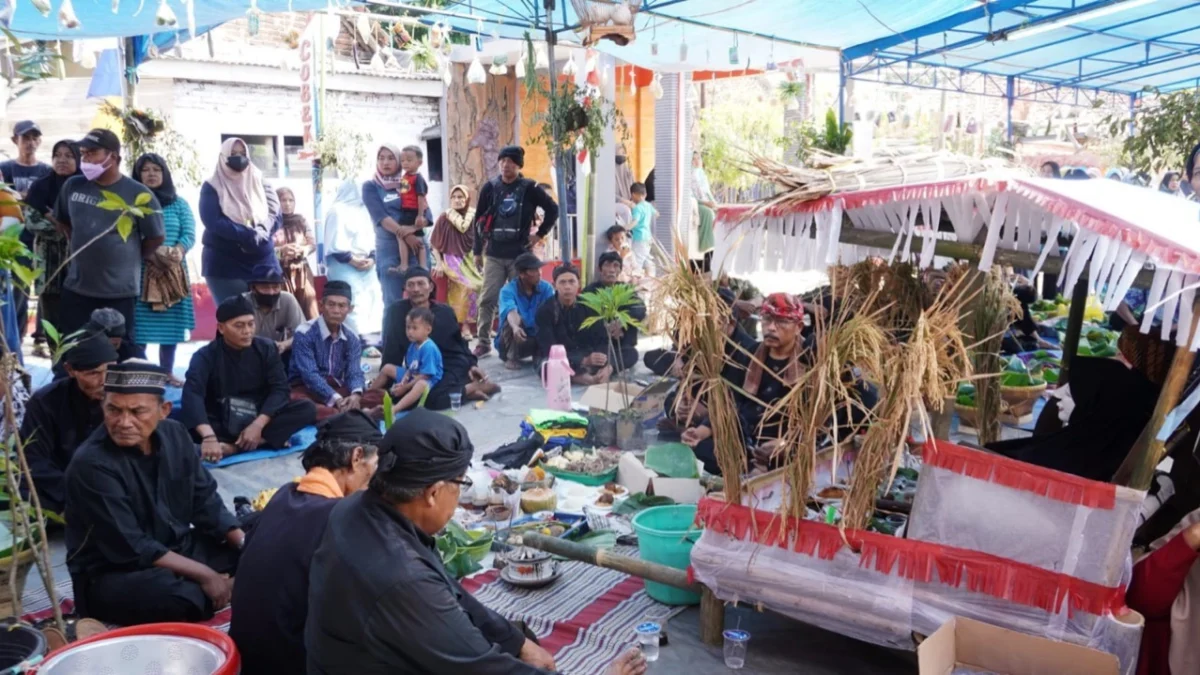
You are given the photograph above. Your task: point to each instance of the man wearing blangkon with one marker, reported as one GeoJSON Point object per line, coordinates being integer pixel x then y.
{"type": "Point", "coordinates": [380, 601]}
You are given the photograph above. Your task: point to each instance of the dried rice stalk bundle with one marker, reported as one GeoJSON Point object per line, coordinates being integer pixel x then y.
{"type": "Point", "coordinates": [847, 345]}
{"type": "Point", "coordinates": [894, 288]}
{"type": "Point", "coordinates": [825, 174]}
{"type": "Point", "coordinates": [993, 311]}
{"type": "Point", "coordinates": [919, 373]}
{"type": "Point", "coordinates": [697, 322]}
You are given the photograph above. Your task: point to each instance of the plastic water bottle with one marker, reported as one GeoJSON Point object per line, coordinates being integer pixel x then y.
{"type": "Point", "coordinates": [556, 378]}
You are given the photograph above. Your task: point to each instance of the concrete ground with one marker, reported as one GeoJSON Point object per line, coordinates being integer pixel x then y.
{"type": "Point", "coordinates": [778, 644]}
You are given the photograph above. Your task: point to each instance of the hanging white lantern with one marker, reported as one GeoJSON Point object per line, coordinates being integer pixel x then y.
{"type": "Point", "coordinates": [447, 76]}
{"type": "Point", "coordinates": [66, 16]}
{"type": "Point", "coordinates": [656, 87]}
{"type": "Point", "coordinates": [165, 16]}
{"type": "Point", "coordinates": [543, 61]}
{"type": "Point", "coordinates": [499, 65]}
{"type": "Point", "coordinates": [521, 61]}
{"type": "Point", "coordinates": [42, 6]}
{"type": "Point", "coordinates": [475, 72]}
{"type": "Point", "coordinates": [569, 68]}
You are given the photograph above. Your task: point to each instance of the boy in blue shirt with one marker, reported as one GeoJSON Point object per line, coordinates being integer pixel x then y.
{"type": "Point", "coordinates": [422, 364]}
{"type": "Point", "coordinates": [643, 217]}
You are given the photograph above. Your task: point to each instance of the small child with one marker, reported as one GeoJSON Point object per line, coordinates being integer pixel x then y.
{"type": "Point", "coordinates": [643, 218]}
{"type": "Point", "coordinates": [422, 363]}
{"type": "Point", "coordinates": [617, 243]}
{"type": "Point", "coordinates": [414, 209]}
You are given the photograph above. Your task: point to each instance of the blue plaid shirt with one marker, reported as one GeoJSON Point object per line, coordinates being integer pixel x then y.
{"type": "Point", "coordinates": [317, 355]}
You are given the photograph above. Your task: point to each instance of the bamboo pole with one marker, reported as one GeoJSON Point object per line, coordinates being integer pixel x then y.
{"type": "Point", "coordinates": [1138, 468]}
{"type": "Point", "coordinates": [668, 576]}
{"type": "Point", "coordinates": [1074, 328]}
{"type": "Point", "coordinates": [964, 251]}
{"type": "Point", "coordinates": [712, 618]}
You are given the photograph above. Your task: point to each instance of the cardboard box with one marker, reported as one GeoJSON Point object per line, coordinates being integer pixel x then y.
{"type": "Point", "coordinates": [611, 397]}
{"type": "Point", "coordinates": [974, 646]}
{"type": "Point", "coordinates": [634, 476]}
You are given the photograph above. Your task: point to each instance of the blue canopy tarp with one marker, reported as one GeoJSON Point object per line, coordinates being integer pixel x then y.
{"type": "Point", "coordinates": [136, 17]}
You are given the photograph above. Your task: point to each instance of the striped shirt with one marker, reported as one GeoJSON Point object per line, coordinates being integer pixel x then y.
{"type": "Point", "coordinates": [170, 326]}
{"type": "Point", "coordinates": [316, 355]}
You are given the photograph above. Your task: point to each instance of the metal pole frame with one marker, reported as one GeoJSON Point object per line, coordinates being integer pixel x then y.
{"type": "Point", "coordinates": [1132, 113]}
{"type": "Point", "coordinates": [843, 75]}
{"type": "Point", "coordinates": [560, 157]}
{"type": "Point", "coordinates": [1010, 87]}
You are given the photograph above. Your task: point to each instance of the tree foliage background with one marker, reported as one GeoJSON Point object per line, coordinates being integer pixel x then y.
{"type": "Point", "coordinates": [1166, 128]}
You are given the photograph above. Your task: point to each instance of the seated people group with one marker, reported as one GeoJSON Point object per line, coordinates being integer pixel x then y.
{"type": "Point", "coordinates": [236, 396]}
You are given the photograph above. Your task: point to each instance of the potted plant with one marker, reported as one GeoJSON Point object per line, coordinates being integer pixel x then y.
{"type": "Point", "coordinates": [610, 307]}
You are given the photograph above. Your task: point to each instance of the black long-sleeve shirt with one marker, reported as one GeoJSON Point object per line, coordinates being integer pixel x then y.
{"type": "Point", "coordinates": [559, 325]}
{"type": "Point", "coordinates": [447, 335]}
{"type": "Point", "coordinates": [58, 419]}
{"type": "Point", "coordinates": [125, 510]}
{"type": "Point", "coordinates": [380, 602]}
{"type": "Point", "coordinates": [218, 371]}
{"type": "Point", "coordinates": [484, 209]}
{"type": "Point", "coordinates": [270, 599]}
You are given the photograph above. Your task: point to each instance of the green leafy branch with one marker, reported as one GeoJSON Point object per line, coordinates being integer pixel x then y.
{"type": "Point", "coordinates": [609, 305]}
{"type": "Point", "coordinates": [572, 113]}
{"type": "Point", "coordinates": [1166, 126]}
{"type": "Point", "coordinates": [29, 65]}
{"type": "Point", "coordinates": [140, 208]}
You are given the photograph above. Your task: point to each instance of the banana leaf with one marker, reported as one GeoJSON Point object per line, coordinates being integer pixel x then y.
{"type": "Point", "coordinates": [640, 502]}
{"type": "Point", "coordinates": [672, 460]}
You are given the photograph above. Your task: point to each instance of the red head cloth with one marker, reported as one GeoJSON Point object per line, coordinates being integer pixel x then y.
{"type": "Point", "coordinates": [782, 307]}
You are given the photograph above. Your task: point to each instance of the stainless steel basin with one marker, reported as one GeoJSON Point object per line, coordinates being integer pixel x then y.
{"type": "Point", "coordinates": [138, 655]}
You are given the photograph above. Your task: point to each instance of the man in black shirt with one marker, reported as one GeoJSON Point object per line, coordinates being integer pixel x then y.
{"type": "Point", "coordinates": [560, 321]}
{"type": "Point", "coordinates": [380, 600]}
{"type": "Point", "coordinates": [460, 372]}
{"type": "Point", "coordinates": [624, 338]}
{"type": "Point", "coordinates": [505, 215]}
{"type": "Point", "coordinates": [236, 397]}
{"type": "Point", "coordinates": [148, 538]}
{"type": "Point", "coordinates": [60, 416]}
{"type": "Point", "coordinates": [772, 373]}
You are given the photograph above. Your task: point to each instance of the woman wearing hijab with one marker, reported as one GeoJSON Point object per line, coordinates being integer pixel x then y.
{"type": "Point", "coordinates": [164, 313]}
{"type": "Point", "coordinates": [382, 197]}
{"type": "Point", "coordinates": [294, 242]}
{"type": "Point", "coordinates": [237, 221]}
{"type": "Point", "coordinates": [270, 600]}
{"type": "Point", "coordinates": [1170, 184]}
{"type": "Point", "coordinates": [49, 243]}
{"type": "Point", "coordinates": [350, 257]}
{"type": "Point", "coordinates": [453, 239]}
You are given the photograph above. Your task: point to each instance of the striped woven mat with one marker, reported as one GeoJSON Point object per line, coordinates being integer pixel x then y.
{"type": "Point", "coordinates": [585, 619]}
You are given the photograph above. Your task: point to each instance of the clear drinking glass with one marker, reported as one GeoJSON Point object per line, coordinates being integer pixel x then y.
{"type": "Point", "coordinates": [647, 637]}
{"type": "Point", "coordinates": [735, 648]}
{"type": "Point", "coordinates": [455, 402]}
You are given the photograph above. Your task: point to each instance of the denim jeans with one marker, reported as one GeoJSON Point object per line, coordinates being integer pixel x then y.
{"type": "Point", "coordinates": [222, 289]}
